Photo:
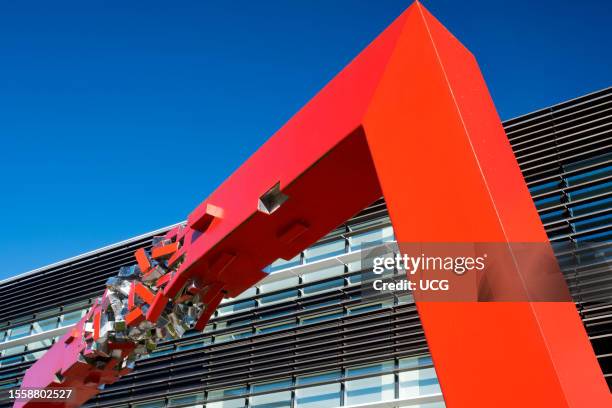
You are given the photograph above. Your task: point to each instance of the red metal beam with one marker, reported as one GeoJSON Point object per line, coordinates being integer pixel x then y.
{"type": "Point", "coordinates": [410, 113]}
{"type": "Point", "coordinates": [433, 106]}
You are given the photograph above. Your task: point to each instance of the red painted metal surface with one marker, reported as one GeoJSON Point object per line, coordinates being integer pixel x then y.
{"type": "Point", "coordinates": [410, 110]}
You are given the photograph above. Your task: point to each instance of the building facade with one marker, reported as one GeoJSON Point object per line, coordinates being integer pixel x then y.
{"type": "Point", "coordinates": [305, 336]}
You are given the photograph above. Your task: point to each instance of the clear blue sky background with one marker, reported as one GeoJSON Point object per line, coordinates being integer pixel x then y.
{"type": "Point", "coordinates": [117, 118]}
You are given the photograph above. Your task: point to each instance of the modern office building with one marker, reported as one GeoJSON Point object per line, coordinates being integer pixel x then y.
{"type": "Point", "coordinates": [305, 337]}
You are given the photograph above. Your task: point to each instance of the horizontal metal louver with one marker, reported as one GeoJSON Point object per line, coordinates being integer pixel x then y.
{"type": "Point", "coordinates": [565, 154]}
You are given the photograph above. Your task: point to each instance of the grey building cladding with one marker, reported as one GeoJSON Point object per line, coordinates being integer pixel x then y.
{"type": "Point", "coordinates": [304, 337]}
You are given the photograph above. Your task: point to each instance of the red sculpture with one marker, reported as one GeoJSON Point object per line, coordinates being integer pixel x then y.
{"type": "Point", "coordinates": [411, 110]}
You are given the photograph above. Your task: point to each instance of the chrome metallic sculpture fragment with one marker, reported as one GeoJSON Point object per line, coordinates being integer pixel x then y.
{"type": "Point", "coordinates": [133, 315]}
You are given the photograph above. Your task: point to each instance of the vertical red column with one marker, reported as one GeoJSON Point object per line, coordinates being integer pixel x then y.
{"type": "Point", "coordinates": [448, 174]}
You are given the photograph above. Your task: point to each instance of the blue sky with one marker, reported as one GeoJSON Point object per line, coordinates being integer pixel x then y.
{"type": "Point", "coordinates": [117, 118]}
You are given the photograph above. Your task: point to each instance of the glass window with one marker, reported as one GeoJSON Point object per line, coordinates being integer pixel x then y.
{"type": "Point", "coordinates": [71, 318]}
{"type": "Point", "coordinates": [377, 236]}
{"type": "Point", "coordinates": [354, 266]}
{"type": "Point", "coordinates": [40, 344]}
{"type": "Point", "coordinates": [370, 223]}
{"type": "Point", "coordinates": [48, 313]}
{"type": "Point", "coordinates": [44, 325]}
{"type": "Point", "coordinates": [161, 351]}
{"type": "Point", "coordinates": [368, 308]}
{"type": "Point", "coordinates": [195, 400]}
{"type": "Point", "coordinates": [317, 305]}
{"type": "Point", "coordinates": [319, 396]}
{"type": "Point", "coordinates": [19, 332]}
{"type": "Point", "coordinates": [370, 389]}
{"type": "Point", "coordinates": [437, 404]}
{"type": "Point", "coordinates": [283, 264]}
{"type": "Point", "coordinates": [272, 400]}
{"type": "Point", "coordinates": [324, 273]}
{"type": "Point", "coordinates": [271, 386]}
{"type": "Point", "coordinates": [11, 360]}
{"type": "Point", "coordinates": [29, 357]}
{"type": "Point", "coordinates": [12, 384]}
{"type": "Point", "coordinates": [417, 381]}
{"type": "Point", "coordinates": [250, 292]}
{"type": "Point", "coordinates": [412, 362]}
{"type": "Point", "coordinates": [370, 369]}
{"type": "Point", "coordinates": [271, 286]}
{"type": "Point", "coordinates": [321, 318]}
{"type": "Point", "coordinates": [284, 312]}
{"type": "Point", "coordinates": [232, 336]}
{"type": "Point", "coordinates": [38, 354]}
{"type": "Point", "coordinates": [276, 327]}
{"type": "Point", "coordinates": [354, 279]}
{"type": "Point", "coordinates": [277, 297]}
{"type": "Point", "coordinates": [190, 333]}
{"type": "Point", "coordinates": [225, 394]}
{"type": "Point", "coordinates": [190, 346]}
{"type": "Point", "coordinates": [232, 323]}
{"type": "Point", "coordinates": [323, 286]}
{"type": "Point", "coordinates": [403, 299]}
{"type": "Point", "coordinates": [150, 404]}
{"type": "Point", "coordinates": [319, 377]}
{"type": "Point", "coordinates": [321, 251]}
{"type": "Point", "coordinates": [11, 352]}
{"type": "Point", "coordinates": [236, 307]}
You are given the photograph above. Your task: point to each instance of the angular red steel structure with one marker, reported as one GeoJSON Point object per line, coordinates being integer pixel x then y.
{"type": "Point", "coordinates": [410, 113]}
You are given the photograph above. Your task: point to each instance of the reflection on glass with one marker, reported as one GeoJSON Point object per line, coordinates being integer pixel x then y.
{"type": "Point", "coordinates": [236, 307]}
{"type": "Point", "coordinates": [377, 236]}
{"type": "Point", "coordinates": [44, 325]}
{"type": "Point", "coordinates": [369, 307]}
{"type": "Point", "coordinates": [417, 381]}
{"type": "Point", "coordinates": [275, 327]}
{"type": "Point", "coordinates": [283, 264]}
{"type": "Point", "coordinates": [326, 250]}
{"type": "Point", "coordinates": [280, 399]}
{"type": "Point", "coordinates": [275, 285]}
{"type": "Point", "coordinates": [277, 297]}
{"type": "Point", "coordinates": [320, 318]}
{"type": "Point", "coordinates": [150, 404]}
{"type": "Point", "coordinates": [71, 318]}
{"type": "Point", "coordinates": [324, 273]}
{"type": "Point", "coordinates": [319, 396]}
{"type": "Point", "coordinates": [194, 400]}
{"type": "Point", "coordinates": [8, 360]}
{"type": "Point", "coordinates": [370, 389]}
{"type": "Point", "coordinates": [273, 400]}
{"type": "Point", "coordinates": [320, 287]}
{"type": "Point", "coordinates": [226, 393]}
{"type": "Point", "coordinates": [19, 332]}
{"type": "Point", "coordinates": [232, 336]}
{"type": "Point", "coordinates": [190, 346]}
{"type": "Point", "coordinates": [40, 344]}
